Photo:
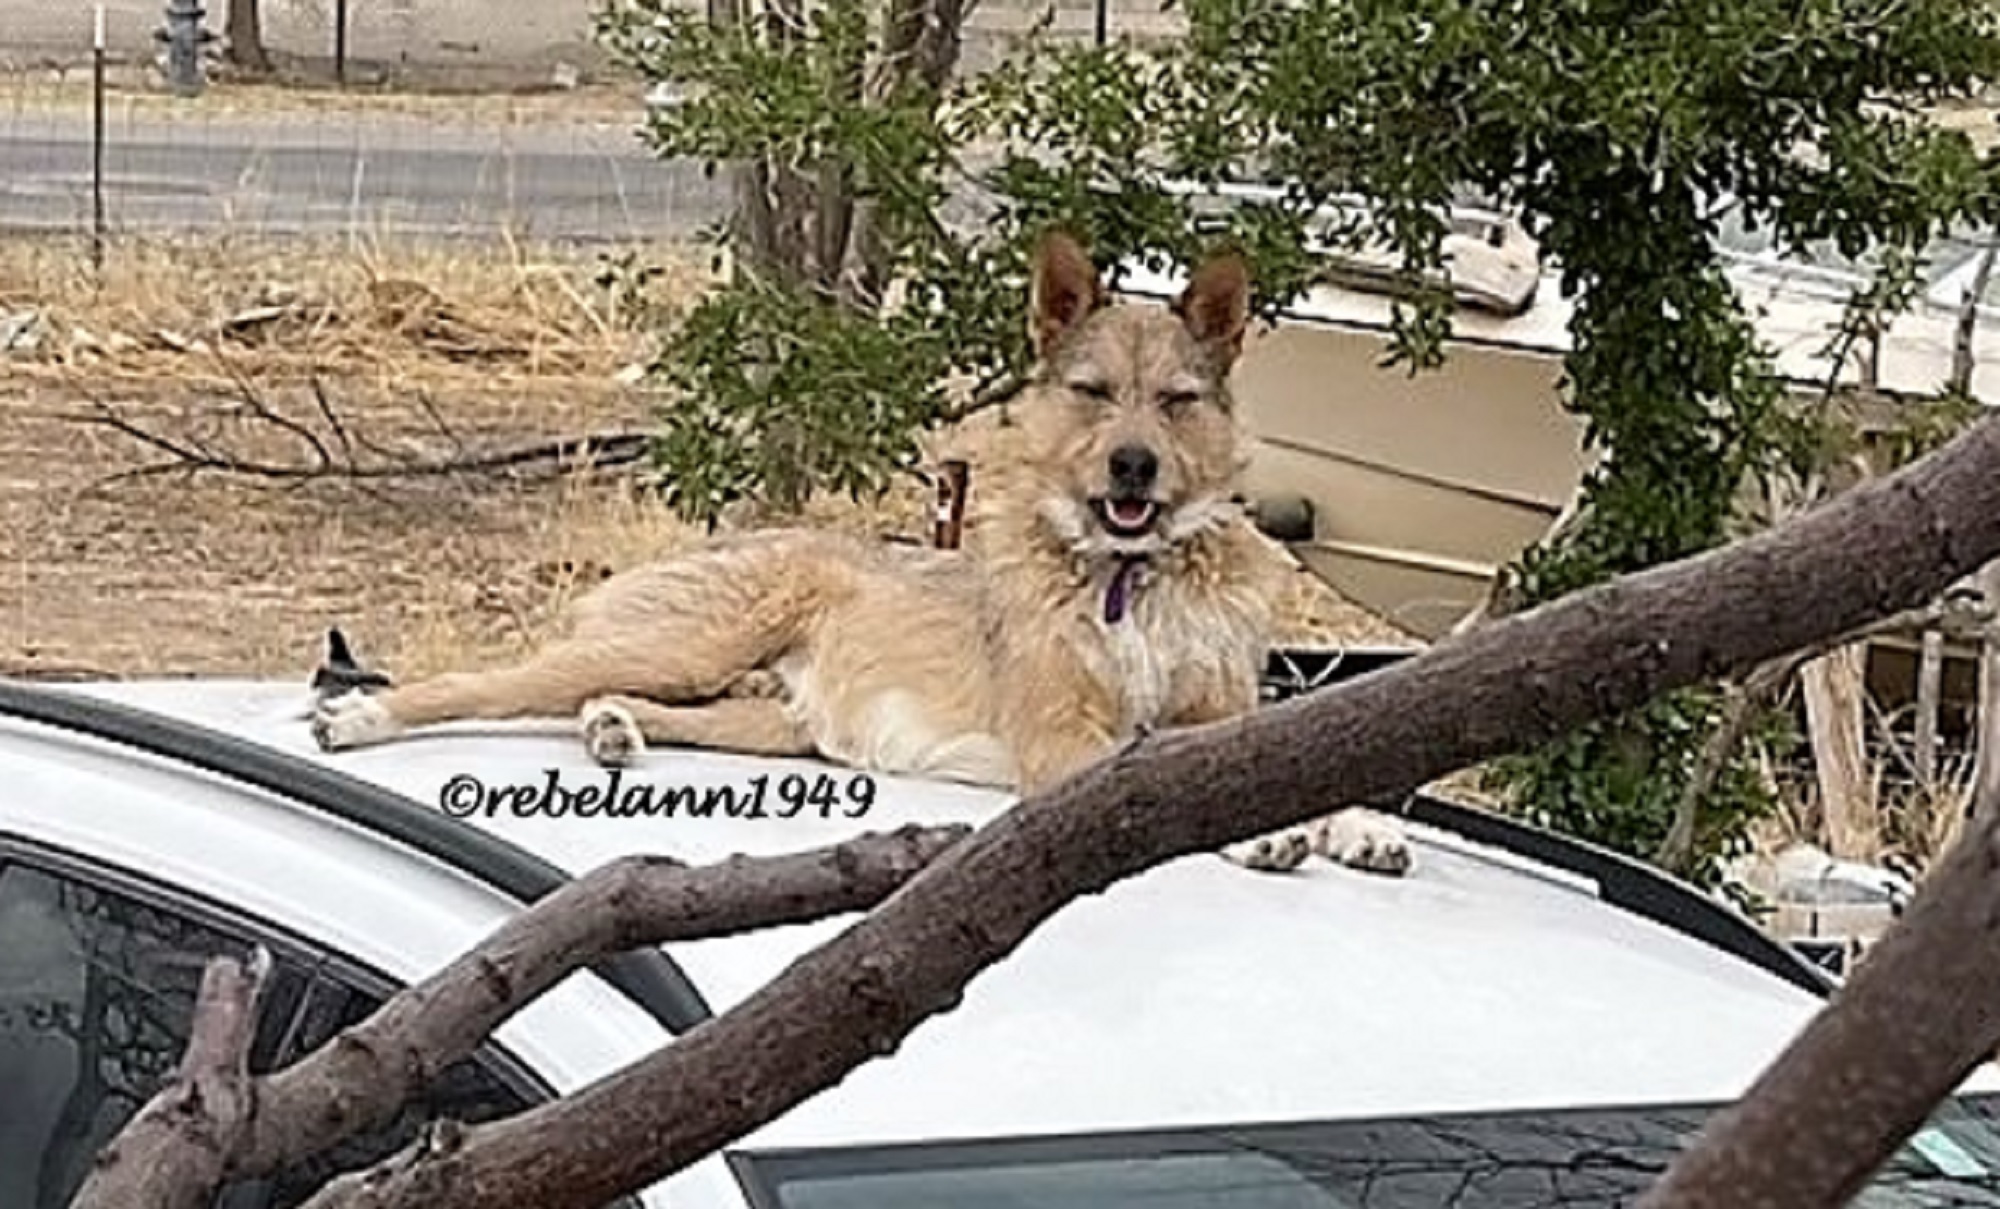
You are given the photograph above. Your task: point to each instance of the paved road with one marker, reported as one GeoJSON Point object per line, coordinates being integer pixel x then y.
{"type": "Point", "coordinates": [342, 174]}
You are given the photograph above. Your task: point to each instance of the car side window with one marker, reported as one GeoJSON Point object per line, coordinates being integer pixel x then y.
{"type": "Point", "coordinates": [469, 1091]}
{"type": "Point", "coordinates": [98, 979]}
{"type": "Point", "coordinates": [97, 990]}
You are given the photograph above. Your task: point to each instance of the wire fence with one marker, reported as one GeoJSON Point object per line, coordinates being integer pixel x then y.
{"type": "Point", "coordinates": [347, 174]}
{"type": "Point", "coordinates": [451, 119]}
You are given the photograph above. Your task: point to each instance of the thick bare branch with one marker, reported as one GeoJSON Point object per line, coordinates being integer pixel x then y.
{"type": "Point", "coordinates": [1889, 544]}
{"type": "Point", "coordinates": [171, 1154]}
{"type": "Point", "coordinates": [227, 1126]}
{"type": "Point", "coordinates": [1914, 1020]}
{"type": "Point", "coordinates": [362, 1077]}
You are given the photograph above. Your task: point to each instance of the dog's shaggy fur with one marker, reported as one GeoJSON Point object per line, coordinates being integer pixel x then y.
{"type": "Point", "coordinates": [1117, 586]}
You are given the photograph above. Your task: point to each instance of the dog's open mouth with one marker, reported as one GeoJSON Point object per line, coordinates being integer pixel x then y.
{"type": "Point", "coordinates": [1127, 518]}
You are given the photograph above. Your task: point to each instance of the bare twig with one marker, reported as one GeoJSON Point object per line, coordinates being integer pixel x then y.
{"type": "Point", "coordinates": [997, 390]}
{"type": "Point", "coordinates": [255, 407]}
{"type": "Point", "coordinates": [437, 420]}
{"type": "Point", "coordinates": [1987, 717]}
{"type": "Point", "coordinates": [1740, 703]}
{"type": "Point", "coordinates": [332, 419]}
{"type": "Point", "coordinates": [187, 454]}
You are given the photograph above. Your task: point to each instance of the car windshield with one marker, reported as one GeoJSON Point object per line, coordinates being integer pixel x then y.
{"type": "Point", "coordinates": [1582, 1159]}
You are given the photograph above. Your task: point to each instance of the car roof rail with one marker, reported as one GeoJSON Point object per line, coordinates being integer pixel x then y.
{"type": "Point", "coordinates": [1622, 881]}
{"type": "Point", "coordinates": [649, 977]}
{"type": "Point", "coordinates": [1629, 884]}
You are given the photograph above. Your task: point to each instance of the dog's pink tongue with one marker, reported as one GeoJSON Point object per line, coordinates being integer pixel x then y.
{"type": "Point", "coordinates": [1130, 513]}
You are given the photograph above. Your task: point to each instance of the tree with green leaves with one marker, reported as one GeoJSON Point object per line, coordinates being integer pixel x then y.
{"type": "Point", "coordinates": [882, 246]}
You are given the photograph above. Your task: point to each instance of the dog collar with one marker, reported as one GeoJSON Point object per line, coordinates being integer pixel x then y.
{"type": "Point", "coordinates": [1118, 593]}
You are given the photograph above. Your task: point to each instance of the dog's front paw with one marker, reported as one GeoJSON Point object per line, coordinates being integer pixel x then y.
{"type": "Point", "coordinates": [611, 734]}
{"type": "Point", "coordinates": [1278, 853]}
{"type": "Point", "coordinates": [352, 719]}
{"type": "Point", "coordinates": [1363, 839]}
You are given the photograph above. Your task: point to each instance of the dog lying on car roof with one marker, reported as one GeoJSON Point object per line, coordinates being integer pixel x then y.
{"type": "Point", "coordinates": [1118, 587]}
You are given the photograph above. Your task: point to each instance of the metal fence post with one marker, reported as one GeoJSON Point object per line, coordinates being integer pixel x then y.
{"type": "Point", "coordinates": [340, 41]}
{"type": "Point", "coordinates": [97, 144]}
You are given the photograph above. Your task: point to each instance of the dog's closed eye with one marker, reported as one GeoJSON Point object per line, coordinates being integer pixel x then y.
{"type": "Point", "coordinates": [1092, 388]}
{"type": "Point", "coordinates": [1172, 401]}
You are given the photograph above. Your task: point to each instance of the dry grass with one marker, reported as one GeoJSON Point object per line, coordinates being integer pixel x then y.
{"type": "Point", "coordinates": [221, 576]}
{"type": "Point", "coordinates": [413, 316]}
{"type": "Point", "coordinates": [1897, 822]}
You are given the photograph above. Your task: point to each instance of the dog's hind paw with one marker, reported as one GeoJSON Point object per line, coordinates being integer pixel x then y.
{"type": "Point", "coordinates": [1363, 839]}
{"type": "Point", "coordinates": [353, 719]}
{"type": "Point", "coordinates": [611, 734]}
{"type": "Point", "coordinates": [1277, 853]}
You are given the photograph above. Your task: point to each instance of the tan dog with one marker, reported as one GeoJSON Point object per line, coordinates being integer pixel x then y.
{"type": "Point", "coordinates": [1117, 587]}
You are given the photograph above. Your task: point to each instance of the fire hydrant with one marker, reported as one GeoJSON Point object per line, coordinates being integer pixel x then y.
{"type": "Point", "coordinates": [184, 37]}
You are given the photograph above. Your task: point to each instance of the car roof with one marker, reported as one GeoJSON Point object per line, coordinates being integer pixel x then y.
{"type": "Point", "coordinates": [1194, 993]}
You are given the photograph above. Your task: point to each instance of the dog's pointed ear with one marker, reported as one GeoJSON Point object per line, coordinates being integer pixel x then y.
{"type": "Point", "coordinates": [1063, 288]}
{"type": "Point", "coordinates": [1216, 305]}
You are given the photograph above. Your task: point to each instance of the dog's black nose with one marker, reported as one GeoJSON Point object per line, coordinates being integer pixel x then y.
{"type": "Point", "coordinates": [1134, 467]}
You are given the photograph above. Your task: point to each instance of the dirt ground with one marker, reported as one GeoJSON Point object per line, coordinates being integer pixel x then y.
{"type": "Point", "coordinates": [108, 568]}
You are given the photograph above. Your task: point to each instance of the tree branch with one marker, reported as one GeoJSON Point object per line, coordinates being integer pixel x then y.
{"type": "Point", "coordinates": [1912, 1022]}
{"type": "Point", "coordinates": [186, 454]}
{"type": "Point", "coordinates": [921, 43]}
{"type": "Point", "coordinates": [361, 1078]}
{"type": "Point", "coordinates": [172, 1153]}
{"type": "Point", "coordinates": [1962, 359]}
{"type": "Point", "coordinates": [1888, 544]}
{"type": "Point", "coordinates": [834, 223]}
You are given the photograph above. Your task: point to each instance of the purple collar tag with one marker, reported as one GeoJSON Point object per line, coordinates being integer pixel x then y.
{"type": "Point", "coordinates": [1118, 594]}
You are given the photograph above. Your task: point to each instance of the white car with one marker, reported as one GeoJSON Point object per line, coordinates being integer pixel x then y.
{"type": "Point", "coordinates": [1520, 1021]}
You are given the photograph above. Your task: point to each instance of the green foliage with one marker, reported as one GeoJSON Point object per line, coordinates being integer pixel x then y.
{"type": "Point", "coordinates": [778, 395]}
{"type": "Point", "coordinates": [1614, 128]}
{"type": "Point", "coordinates": [1619, 782]}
